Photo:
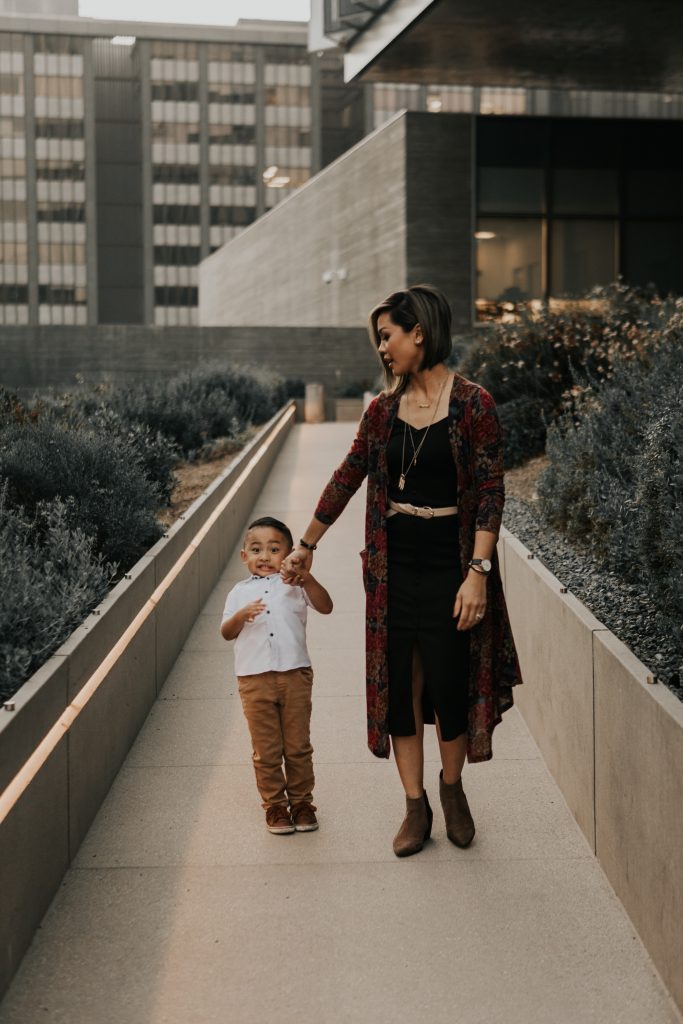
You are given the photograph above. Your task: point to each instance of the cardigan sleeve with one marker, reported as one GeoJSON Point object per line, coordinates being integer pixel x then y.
{"type": "Point", "coordinates": [347, 477]}
{"type": "Point", "coordinates": [487, 443]}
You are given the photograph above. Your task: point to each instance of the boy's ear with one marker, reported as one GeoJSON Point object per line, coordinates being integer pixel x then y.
{"type": "Point", "coordinates": [243, 555]}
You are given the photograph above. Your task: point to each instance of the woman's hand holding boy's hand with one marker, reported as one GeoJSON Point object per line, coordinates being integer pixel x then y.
{"type": "Point", "coordinates": [298, 577]}
{"type": "Point", "coordinates": [297, 564]}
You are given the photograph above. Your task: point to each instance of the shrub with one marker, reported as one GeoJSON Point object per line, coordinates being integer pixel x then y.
{"type": "Point", "coordinates": [198, 405]}
{"type": "Point", "coordinates": [53, 580]}
{"type": "Point", "coordinates": [156, 454]}
{"type": "Point", "coordinates": [534, 362]}
{"type": "Point", "coordinates": [614, 481]}
{"type": "Point", "coordinates": [659, 501]}
{"type": "Point", "coordinates": [113, 500]}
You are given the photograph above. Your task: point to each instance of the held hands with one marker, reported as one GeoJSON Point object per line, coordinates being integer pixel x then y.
{"type": "Point", "coordinates": [295, 568]}
{"type": "Point", "coordinates": [470, 602]}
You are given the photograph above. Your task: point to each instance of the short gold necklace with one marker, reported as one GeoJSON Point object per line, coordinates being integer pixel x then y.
{"type": "Point", "coordinates": [416, 451]}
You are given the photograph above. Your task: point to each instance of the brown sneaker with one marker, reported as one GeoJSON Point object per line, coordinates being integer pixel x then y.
{"type": "Point", "coordinates": [303, 816]}
{"type": "Point", "coordinates": [278, 820]}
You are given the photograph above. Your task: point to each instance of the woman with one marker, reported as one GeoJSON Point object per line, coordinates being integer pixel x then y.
{"type": "Point", "coordinates": [438, 640]}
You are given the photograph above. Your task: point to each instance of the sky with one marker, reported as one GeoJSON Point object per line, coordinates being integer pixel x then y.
{"type": "Point", "coordinates": [198, 12]}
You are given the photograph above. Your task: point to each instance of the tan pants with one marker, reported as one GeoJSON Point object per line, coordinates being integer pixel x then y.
{"type": "Point", "coordinates": [277, 707]}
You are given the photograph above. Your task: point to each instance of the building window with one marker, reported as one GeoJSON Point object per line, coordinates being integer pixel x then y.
{"type": "Point", "coordinates": [583, 254]}
{"type": "Point", "coordinates": [509, 260]}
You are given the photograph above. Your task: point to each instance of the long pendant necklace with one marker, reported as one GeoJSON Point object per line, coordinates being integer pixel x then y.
{"type": "Point", "coordinates": [416, 451]}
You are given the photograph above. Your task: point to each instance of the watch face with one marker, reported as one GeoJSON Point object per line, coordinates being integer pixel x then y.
{"type": "Point", "coordinates": [486, 565]}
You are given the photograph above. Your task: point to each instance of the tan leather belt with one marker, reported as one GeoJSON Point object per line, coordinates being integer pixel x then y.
{"type": "Point", "coordinates": [424, 511]}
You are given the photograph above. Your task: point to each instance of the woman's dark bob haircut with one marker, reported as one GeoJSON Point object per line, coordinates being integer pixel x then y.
{"type": "Point", "coordinates": [420, 304]}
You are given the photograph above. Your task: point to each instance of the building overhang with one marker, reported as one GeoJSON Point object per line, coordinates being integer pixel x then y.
{"type": "Point", "coordinates": [614, 44]}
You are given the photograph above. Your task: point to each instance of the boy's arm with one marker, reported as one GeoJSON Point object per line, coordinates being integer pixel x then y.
{"type": "Point", "coordinates": [316, 593]}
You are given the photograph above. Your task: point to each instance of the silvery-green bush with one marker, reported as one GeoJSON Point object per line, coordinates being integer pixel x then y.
{"type": "Point", "coordinates": [614, 482]}
{"type": "Point", "coordinates": [52, 579]}
{"type": "Point", "coordinates": [113, 500]}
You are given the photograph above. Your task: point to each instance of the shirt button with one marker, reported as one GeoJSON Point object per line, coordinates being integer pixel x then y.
{"type": "Point", "coordinates": [271, 634]}
{"type": "Point", "coordinates": [267, 613]}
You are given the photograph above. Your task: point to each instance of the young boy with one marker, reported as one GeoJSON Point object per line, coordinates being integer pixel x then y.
{"type": "Point", "coordinates": [267, 619]}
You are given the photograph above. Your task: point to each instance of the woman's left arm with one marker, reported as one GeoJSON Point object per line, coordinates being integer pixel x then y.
{"type": "Point", "coordinates": [487, 448]}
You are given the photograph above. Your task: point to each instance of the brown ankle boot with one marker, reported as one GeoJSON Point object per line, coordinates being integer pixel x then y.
{"type": "Point", "coordinates": [456, 811]}
{"type": "Point", "coordinates": [416, 827]}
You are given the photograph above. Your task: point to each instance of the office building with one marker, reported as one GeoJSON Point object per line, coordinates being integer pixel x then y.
{"type": "Point", "coordinates": [559, 164]}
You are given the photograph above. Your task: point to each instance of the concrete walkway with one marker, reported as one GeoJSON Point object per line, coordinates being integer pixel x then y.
{"type": "Point", "coordinates": [181, 908]}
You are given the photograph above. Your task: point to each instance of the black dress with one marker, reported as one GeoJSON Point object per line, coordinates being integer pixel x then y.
{"type": "Point", "coordinates": [424, 575]}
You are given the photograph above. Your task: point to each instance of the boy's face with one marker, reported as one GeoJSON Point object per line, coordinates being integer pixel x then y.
{"type": "Point", "coordinates": [264, 550]}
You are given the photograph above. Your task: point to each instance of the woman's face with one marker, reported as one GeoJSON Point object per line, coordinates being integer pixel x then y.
{"type": "Point", "coordinates": [400, 350]}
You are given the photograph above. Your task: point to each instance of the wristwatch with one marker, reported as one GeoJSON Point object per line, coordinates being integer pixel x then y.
{"type": "Point", "coordinates": [482, 565]}
{"type": "Point", "coordinates": [309, 547]}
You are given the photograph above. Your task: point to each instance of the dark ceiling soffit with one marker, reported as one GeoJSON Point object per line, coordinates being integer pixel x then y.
{"type": "Point", "coordinates": [572, 45]}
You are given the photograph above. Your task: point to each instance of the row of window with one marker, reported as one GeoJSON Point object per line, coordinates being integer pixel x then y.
{"type": "Point", "coordinates": [183, 214]}
{"type": "Point", "coordinates": [176, 295]}
{"type": "Point", "coordinates": [225, 92]}
{"type": "Point", "coordinates": [17, 295]}
{"type": "Point", "coordinates": [188, 174]}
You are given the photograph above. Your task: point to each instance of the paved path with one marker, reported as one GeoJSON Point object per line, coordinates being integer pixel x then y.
{"type": "Point", "coordinates": [180, 908]}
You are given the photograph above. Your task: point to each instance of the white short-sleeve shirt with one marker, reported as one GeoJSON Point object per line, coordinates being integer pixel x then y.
{"type": "Point", "coordinates": [276, 640]}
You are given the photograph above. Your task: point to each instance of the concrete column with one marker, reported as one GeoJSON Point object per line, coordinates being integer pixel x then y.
{"type": "Point", "coordinates": [90, 183]}
{"type": "Point", "coordinates": [369, 101]}
{"type": "Point", "coordinates": [316, 116]}
{"type": "Point", "coordinates": [31, 190]}
{"type": "Point", "coordinates": [147, 199]}
{"type": "Point", "coordinates": [260, 91]}
{"type": "Point", "coordinates": [204, 180]}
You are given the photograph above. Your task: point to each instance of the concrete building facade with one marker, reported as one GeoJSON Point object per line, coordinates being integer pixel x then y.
{"type": "Point", "coordinates": [501, 213]}
{"type": "Point", "coordinates": [381, 214]}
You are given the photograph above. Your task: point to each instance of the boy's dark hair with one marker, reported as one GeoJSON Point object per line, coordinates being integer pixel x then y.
{"type": "Point", "coordinates": [276, 525]}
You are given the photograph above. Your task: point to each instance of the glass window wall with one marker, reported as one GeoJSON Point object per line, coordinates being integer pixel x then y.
{"type": "Point", "coordinates": [593, 202]}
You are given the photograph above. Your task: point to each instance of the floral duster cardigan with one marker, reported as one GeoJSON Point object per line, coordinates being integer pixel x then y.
{"type": "Point", "coordinates": [476, 444]}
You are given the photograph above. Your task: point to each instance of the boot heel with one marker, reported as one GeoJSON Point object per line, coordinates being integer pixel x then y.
{"type": "Point", "coordinates": [430, 818]}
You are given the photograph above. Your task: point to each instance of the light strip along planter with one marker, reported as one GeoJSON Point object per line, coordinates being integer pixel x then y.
{"type": "Point", "coordinates": [614, 744]}
{"type": "Point", "coordinates": [75, 720]}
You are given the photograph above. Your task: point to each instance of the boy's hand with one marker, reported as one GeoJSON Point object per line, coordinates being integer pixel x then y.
{"type": "Point", "coordinates": [251, 611]}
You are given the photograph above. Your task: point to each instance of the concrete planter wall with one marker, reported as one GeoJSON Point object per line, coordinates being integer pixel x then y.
{"type": "Point", "coordinates": [76, 718]}
{"type": "Point", "coordinates": [614, 744]}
